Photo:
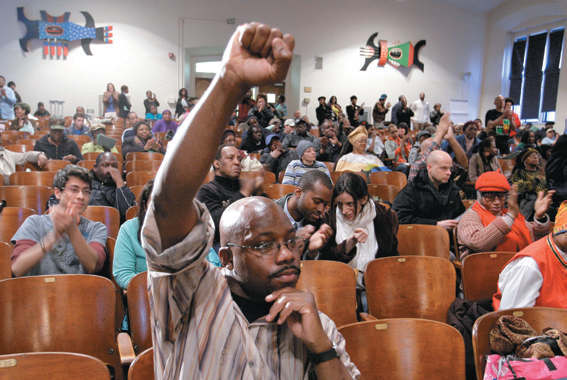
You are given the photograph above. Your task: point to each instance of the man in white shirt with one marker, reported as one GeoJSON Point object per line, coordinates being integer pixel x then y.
{"type": "Point", "coordinates": [536, 275]}
{"type": "Point", "coordinates": [420, 109]}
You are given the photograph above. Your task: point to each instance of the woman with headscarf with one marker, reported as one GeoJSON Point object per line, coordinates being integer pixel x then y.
{"type": "Point", "coordinates": [354, 156]}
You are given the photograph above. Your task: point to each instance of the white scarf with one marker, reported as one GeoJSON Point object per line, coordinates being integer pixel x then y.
{"type": "Point", "coordinates": [365, 252]}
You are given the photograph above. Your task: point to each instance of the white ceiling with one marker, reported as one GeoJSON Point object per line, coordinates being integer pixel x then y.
{"type": "Point", "coordinates": [484, 6]}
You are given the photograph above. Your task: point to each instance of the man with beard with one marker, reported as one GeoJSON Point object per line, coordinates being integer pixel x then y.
{"type": "Point", "coordinates": [109, 189]}
{"type": "Point", "coordinates": [255, 323]}
{"type": "Point", "coordinates": [305, 206]}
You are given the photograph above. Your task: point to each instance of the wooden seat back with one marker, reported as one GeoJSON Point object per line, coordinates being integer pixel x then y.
{"type": "Point", "coordinates": [109, 216]}
{"type": "Point", "coordinates": [80, 139]}
{"type": "Point", "coordinates": [537, 317]}
{"type": "Point", "coordinates": [52, 166]}
{"type": "Point", "coordinates": [143, 367]}
{"type": "Point", "coordinates": [330, 165]}
{"type": "Point", "coordinates": [423, 240]}
{"type": "Point", "coordinates": [336, 175]}
{"type": "Point", "coordinates": [139, 178]}
{"type": "Point", "coordinates": [59, 366]}
{"type": "Point", "coordinates": [410, 287]}
{"type": "Point", "coordinates": [5, 260]}
{"type": "Point", "coordinates": [385, 192]}
{"type": "Point", "coordinates": [11, 218]}
{"type": "Point", "coordinates": [389, 178]}
{"type": "Point", "coordinates": [20, 135]}
{"type": "Point", "coordinates": [32, 178]}
{"type": "Point", "coordinates": [334, 286]}
{"type": "Point", "coordinates": [137, 190]}
{"type": "Point", "coordinates": [139, 312]}
{"type": "Point", "coordinates": [405, 349]}
{"type": "Point", "coordinates": [276, 191]}
{"type": "Point", "coordinates": [34, 197]}
{"type": "Point", "coordinates": [65, 313]}
{"type": "Point", "coordinates": [87, 164]}
{"type": "Point", "coordinates": [18, 148]}
{"type": "Point", "coordinates": [144, 156]}
{"type": "Point", "coordinates": [480, 273]}
{"type": "Point", "coordinates": [132, 212]}
{"type": "Point", "coordinates": [139, 166]}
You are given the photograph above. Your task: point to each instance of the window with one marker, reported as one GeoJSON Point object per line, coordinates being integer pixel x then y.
{"type": "Point", "coordinates": [534, 73]}
{"type": "Point", "coordinates": [212, 67]}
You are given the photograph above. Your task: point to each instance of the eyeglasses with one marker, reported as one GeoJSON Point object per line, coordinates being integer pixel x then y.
{"type": "Point", "coordinates": [295, 245]}
{"type": "Point", "coordinates": [491, 196]}
{"type": "Point", "coordinates": [360, 141]}
{"type": "Point", "coordinates": [76, 191]}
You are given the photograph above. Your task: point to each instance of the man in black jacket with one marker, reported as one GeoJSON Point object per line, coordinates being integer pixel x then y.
{"type": "Point", "coordinates": [56, 145]}
{"type": "Point", "coordinates": [432, 197]}
{"type": "Point", "coordinates": [227, 187]}
{"type": "Point", "coordinates": [109, 189]}
{"type": "Point", "coordinates": [305, 207]}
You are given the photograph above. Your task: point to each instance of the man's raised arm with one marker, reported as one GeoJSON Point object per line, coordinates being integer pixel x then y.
{"type": "Point", "coordinates": [256, 55]}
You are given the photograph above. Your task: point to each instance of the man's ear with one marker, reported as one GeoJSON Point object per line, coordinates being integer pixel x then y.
{"type": "Point", "coordinates": [57, 193]}
{"type": "Point", "coordinates": [226, 258]}
{"type": "Point", "coordinates": [216, 164]}
{"type": "Point", "coordinates": [298, 191]}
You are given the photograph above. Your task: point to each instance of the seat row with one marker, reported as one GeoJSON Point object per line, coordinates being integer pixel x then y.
{"type": "Point", "coordinates": [389, 347]}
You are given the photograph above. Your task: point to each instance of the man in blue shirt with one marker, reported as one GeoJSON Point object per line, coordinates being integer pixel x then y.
{"type": "Point", "coordinates": [7, 101]}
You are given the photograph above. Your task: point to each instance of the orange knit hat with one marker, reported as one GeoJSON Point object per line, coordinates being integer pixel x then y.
{"type": "Point", "coordinates": [561, 219]}
{"type": "Point", "coordinates": [492, 181]}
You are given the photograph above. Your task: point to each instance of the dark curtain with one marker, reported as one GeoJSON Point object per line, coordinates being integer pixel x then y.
{"type": "Point", "coordinates": [551, 85]}
{"type": "Point", "coordinates": [518, 52]}
{"type": "Point", "coordinates": [533, 76]}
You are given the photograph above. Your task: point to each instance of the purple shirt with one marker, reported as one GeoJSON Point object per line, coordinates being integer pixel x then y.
{"type": "Point", "coordinates": [164, 126]}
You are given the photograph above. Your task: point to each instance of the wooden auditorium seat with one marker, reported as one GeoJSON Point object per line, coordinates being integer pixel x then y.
{"type": "Point", "coordinates": [388, 178]}
{"type": "Point", "coordinates": [143, 367]}
{"type": "Point", "coordinates": [402, 348]}
{"type": "Point", "coordinates": [11, 218]}
{"type": "Point", "coordinates": [139, 312]}
{"type": "Point", "coordinates": [109, 216]}
{"type": "Point", "coordinates": [34, 197]}
{"type": "Point", "coordinates": [32, 178]}
{"type": "Point", "coordinates": [423, 240]}
{"type": "Point", "coordinates": [410, 287]}
{"type": "Point", "coordinates": [480, 272]}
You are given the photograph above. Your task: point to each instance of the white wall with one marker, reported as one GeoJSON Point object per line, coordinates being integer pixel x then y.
{"type": "Point", "coordinates": [515, 15]}
{"type": "Point", "coordinates": [146, 31]}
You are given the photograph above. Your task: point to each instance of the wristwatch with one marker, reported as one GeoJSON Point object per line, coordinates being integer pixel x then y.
{"type": "Point", "coordinates": [324, 356]}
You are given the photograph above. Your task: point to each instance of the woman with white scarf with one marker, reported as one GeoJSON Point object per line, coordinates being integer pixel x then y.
{"type": "Point", "coordinates": [363, 229]}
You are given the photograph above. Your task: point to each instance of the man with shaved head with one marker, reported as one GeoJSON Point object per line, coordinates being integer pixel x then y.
{"type": "Point", "coordinates": [432, 197]}
{"type": "Point", "coordinates": [248, 321]}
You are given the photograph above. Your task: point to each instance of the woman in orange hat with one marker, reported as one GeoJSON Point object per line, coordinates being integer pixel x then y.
{"type": "Point", "coordinates": [488, 226]}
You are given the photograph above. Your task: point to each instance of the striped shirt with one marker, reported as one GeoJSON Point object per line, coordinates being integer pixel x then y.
{"type": "Point", "coordinates": [199, 332]}
{"type": "Point", "coordinates": [296, 168]}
